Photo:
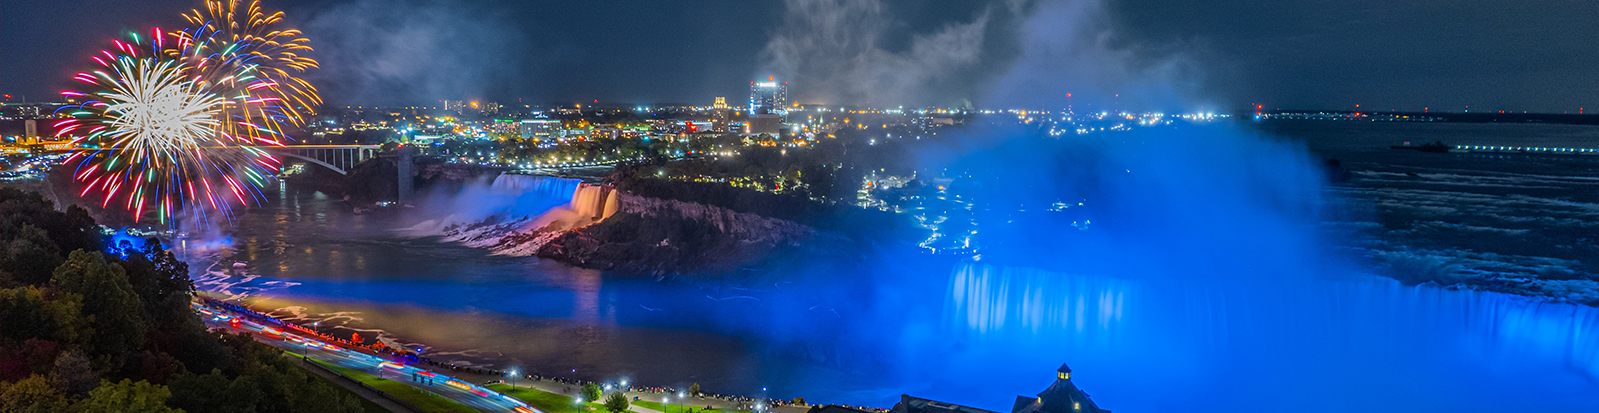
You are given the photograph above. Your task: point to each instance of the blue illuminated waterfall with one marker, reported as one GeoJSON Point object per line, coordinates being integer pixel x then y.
{"type": "Point", "coordinates": [1227, 343]}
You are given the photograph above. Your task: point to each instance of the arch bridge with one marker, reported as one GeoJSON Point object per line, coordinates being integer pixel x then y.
{"type": "Point", "coordinates": [339, 158]}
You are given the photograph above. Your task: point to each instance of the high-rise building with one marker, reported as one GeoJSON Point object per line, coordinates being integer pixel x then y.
{"type": "Point", "coordinates": [769, 97]}
{"type": "Point", "coordinates": [721, 103]}
{"type": "Point", "coordinates": [541, 129]}
{"type": "Point", "coordinates": [457, 106]}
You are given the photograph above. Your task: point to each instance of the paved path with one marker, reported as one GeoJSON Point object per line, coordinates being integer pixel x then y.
{"type": "Point", "coordinates": [462, 391]}
{"type": "Point", "coordinates": [696, 403]}
{"type": "Point", "coordinates": [359, 390]}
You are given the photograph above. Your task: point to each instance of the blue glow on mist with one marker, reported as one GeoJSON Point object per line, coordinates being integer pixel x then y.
{"type": "Point", "coordinates": [1205, 284]}
{"type": "Point", "coordinates": [120, 243]}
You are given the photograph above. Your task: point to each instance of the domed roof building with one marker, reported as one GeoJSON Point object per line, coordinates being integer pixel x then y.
{"type": "Point", "coordinates": [1061, 397]}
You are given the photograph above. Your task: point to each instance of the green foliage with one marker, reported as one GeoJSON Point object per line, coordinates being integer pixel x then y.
{"type": "Point", "coordinates": [544, 401]}
{"type": "Point", "coordinates": [591, 392]}
{"type": "Point", "coordinates": [694, 389]}
{"type": "Point", "coordinates": [214, 392]}
{"type": "Point", "coordinates": [73, 374]}
{"type": "Point", "coordinates": [29, 256]}
{"type": "Point", "coordinates": [31, 395]}
{"type": "Point", "coordinates": [162, 284]}
{"type": "Point", "coordinates": [126, 396]}
{"type": "Point", "coordinates": [426, 401]}
{"type": "Point", "coordinates": [114, 310]}
{"type": "Point", "coordinates": [616, 402]}
{"type": "Point", "coordinates": [111, 332]}
{"type": "Point", "coordinates": [26, 314]}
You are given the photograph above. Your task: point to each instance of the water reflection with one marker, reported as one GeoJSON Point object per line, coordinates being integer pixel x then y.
{"type": "Point", "coordinates": [973, 334]}
{"type": "Point", "coordinates": [1151, 345]}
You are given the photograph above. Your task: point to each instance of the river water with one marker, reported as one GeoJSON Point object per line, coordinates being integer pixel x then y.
{"type": "Point", "coordinates": [981, 334]}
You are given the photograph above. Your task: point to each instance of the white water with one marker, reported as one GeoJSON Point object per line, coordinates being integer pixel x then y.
{"type": "Point", "coordinates": [1305, 345]}
{"type": "Point", "coordinates": [516, 214]}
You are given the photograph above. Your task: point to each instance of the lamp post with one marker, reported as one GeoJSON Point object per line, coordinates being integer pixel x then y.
{"type": "Point", "coordinates": [512, 374]}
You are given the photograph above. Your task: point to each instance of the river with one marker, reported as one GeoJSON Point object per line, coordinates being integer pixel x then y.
{"type": "Point", "coordinates": [981, 334]}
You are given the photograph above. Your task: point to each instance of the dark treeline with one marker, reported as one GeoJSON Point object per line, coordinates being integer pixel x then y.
{"type": "Point", "coordinates": [91, 327]}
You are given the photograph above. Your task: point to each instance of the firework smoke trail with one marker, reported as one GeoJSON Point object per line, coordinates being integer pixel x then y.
{"type": "Point", "coordinates": [251, 61]}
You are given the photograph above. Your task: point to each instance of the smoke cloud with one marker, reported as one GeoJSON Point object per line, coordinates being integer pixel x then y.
{"type": "Point", "coordinates": [408, 51]}
{"type": "Point", "coordinates": [1012, 53]}
{"type": "Point", "coordinates": [836, 52]}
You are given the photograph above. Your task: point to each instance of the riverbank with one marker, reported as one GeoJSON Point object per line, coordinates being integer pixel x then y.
{"type": "Point", "coordinates": [273, 328]}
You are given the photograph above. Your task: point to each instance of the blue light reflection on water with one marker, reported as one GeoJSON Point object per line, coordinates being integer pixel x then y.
{"type": "Point", "coordinates": [980, 335]}
{"type": "Point", "coordinates": [1286, 346]}
{"type": "Point", "coordinates": [997, 332]}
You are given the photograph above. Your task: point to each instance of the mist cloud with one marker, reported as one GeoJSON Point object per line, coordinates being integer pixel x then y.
{"type": "Point", "coordinates": [1075, 47]}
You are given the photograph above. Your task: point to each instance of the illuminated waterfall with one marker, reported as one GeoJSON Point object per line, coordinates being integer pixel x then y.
{"type": "Point", "coordinates": [1234, 340]}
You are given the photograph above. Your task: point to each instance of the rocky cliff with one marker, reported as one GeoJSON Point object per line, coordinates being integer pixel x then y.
{"type": "Point", "coordinates": [656, 236]}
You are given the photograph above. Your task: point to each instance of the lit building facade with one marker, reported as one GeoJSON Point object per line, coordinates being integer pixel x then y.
{"type": "Point", "coordinates": [769, 97]}
{"type": "Point", "coordinates": [540, 129]}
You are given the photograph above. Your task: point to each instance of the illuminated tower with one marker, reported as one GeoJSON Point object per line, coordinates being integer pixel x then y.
{"type": "Point", "coordinates": [769, 97]}
{"type": "Point", "coordinates": [1061, 397]}
{"type": "Point", "coordinates": [721, 103]}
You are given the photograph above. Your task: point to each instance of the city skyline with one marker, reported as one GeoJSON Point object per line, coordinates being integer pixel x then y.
{"type": "Point", "coordinates": [1140, 54]}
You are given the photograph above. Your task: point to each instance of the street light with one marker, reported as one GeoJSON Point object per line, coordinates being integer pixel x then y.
{"type": "Point", "coordinates": [512, 374]}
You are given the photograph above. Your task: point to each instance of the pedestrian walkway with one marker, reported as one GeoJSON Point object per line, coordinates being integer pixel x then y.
{"type": "Point", "coordinates": [359, 390]}
{"type": "Point", "coordinates": [697, 403]}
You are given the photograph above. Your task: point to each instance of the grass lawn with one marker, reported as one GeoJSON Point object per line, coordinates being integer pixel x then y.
{"type": "Point", "coordinates": [419, 398]}
{"type": "Point", "coordinates": [681, 408]}
{"type": "Point", "coordinates": [366, 405]}
{"type": "Point", "coordinates": [546, 401]}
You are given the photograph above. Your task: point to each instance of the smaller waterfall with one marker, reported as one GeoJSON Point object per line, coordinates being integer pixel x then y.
{"type": "Point", "coordinates": [517, 214]}
{"type": "Point", "coordinates": [596, 202]}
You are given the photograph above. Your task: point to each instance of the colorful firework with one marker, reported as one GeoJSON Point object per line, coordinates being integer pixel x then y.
{"type": "Point", "coordinates": [179, 120]}
{"type": "Point", "coordinates": [251, 61]}
{"type": "Point", "coordinates": [156, 130]}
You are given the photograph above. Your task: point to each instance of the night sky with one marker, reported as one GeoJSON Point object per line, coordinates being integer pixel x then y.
{"type": "Point", "coordinates": [1538, 56]}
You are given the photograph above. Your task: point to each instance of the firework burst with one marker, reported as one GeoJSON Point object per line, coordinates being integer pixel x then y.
{"type": "Point", "coordinates": [252, 62]}
{"type": "Point", "coordinates": [177, 119]}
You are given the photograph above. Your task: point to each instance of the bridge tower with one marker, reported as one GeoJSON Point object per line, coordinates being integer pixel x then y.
{"type": "Point", "coordinates": [407, 183]}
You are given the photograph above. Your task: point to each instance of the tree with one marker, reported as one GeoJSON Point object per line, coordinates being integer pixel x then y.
{"type": "Point", "coordinates": [590, 392]}
{"type": "Point", "coordinates": [73, 374]}
{"type": "Point", "coordinates": [616, 402]}
{"type": "Point", "coordinates": [30, 255]}
{"type": "Point", "coordinates": [34, 356]}
{"type": "Point", "coordinates": [694, 389]}
{"type": "Point", "coordinates": [127, 396]}
{"type": "Point", "coordinates": [213, 392]}
{"type": "Point", "coordinates": [31, 395]}
{"type": "Point", "coordinates": [27, 315]}
{"type": "Point", "coordinates": [162, 283]}
{"type": "Point", "coordinates": [110, 303]}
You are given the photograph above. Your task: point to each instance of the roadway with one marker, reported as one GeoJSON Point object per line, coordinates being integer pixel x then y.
{"type": "Point", "coordinates": [452, 388]}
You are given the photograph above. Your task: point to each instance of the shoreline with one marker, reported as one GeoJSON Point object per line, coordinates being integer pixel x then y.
{"type": "Point", "coordinates": [484, 376]}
